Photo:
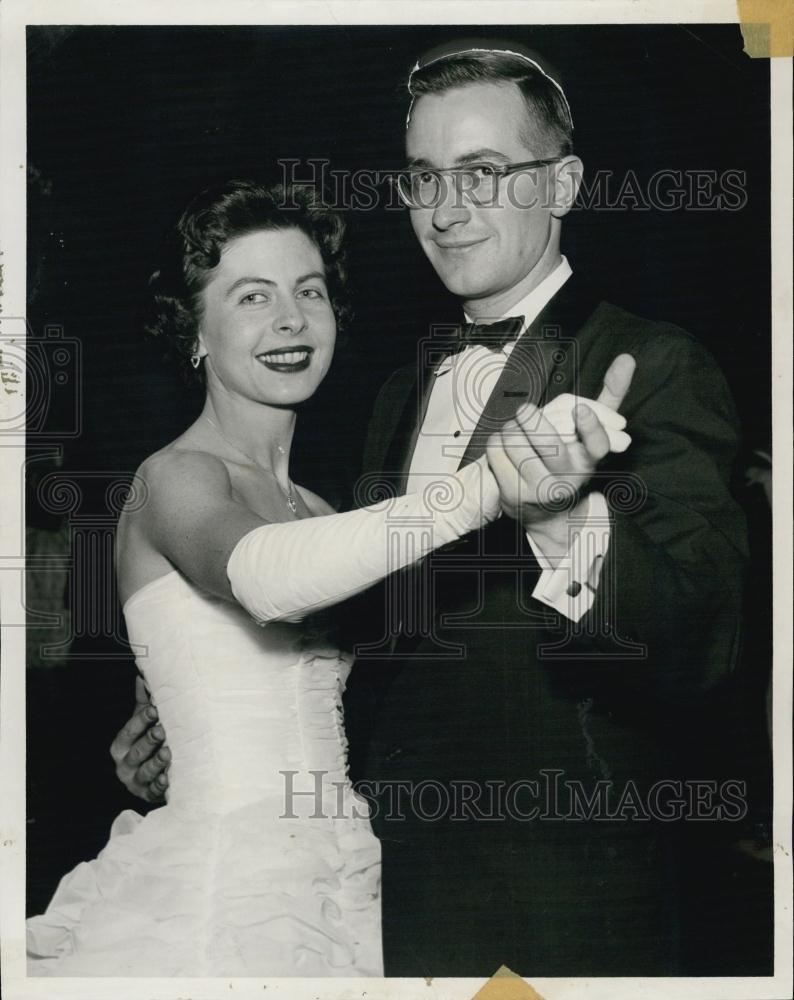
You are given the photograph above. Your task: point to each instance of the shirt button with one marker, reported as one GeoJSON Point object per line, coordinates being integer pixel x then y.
{"type": "Point", "coordinates": [456, 434]}
{"type": "Point", "coordinates": [574, 590]}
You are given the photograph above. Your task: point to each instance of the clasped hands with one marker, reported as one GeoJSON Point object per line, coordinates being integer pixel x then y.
{"type": "Point", "coordinates": [543, 458]}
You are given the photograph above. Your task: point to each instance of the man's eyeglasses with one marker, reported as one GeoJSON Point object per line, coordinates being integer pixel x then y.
{"type": "Point", "coordinates": [426, 188]}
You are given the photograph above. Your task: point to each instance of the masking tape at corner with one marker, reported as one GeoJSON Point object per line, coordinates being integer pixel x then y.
{"type": "Point", "coordinates": [767, 27]}
{"type": "Point", "coordinates": [506, 985]}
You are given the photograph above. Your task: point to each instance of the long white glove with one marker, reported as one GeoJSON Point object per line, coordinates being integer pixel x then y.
{"type": "Point", "coordinates": [282, 572]}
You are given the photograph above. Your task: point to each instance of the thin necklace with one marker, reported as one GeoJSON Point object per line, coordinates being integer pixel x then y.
{"type": "Point", "coordinates": [288, 494]}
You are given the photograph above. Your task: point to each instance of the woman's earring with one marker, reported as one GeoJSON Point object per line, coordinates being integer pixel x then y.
{"type": "Point", "coordinates": [195, 360]}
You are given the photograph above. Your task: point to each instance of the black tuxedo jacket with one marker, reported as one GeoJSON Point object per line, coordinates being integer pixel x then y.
{"type": "Point", "coordinates": [483, 723]}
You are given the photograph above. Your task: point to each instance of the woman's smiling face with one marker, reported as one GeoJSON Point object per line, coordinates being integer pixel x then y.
{"type": "Point", "coordinates": [267, 329]}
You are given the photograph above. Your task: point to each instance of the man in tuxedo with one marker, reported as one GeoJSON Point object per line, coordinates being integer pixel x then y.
{"type": "Point", "coordinates": [546, 656]}
{"type": "Point", "coordinates": [511, 722]}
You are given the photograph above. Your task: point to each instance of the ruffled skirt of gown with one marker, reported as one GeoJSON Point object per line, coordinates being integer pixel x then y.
{"type": "Point", "coordinates": [233, 877]}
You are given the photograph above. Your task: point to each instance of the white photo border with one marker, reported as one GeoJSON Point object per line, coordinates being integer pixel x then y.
{"type": "Point", "coordinates": [15, 15]}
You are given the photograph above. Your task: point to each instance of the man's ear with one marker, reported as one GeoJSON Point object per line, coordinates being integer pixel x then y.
{"type": "Point", "coordinates": [567, 178]}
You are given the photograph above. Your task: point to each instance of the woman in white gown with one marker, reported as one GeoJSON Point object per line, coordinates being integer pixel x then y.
{"type": "Point", "coordinates": [222, 561]}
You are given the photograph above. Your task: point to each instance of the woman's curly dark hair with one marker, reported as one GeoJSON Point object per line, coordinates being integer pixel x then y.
{"type": "Point", "coordinates": [193, 247]}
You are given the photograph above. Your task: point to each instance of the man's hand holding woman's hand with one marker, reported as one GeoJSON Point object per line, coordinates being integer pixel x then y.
{"type": "Point", "coordinates": [543, 459]}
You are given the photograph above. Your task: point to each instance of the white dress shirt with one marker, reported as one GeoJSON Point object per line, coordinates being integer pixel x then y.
{"type": "Point", "coordinates": [462, 386]}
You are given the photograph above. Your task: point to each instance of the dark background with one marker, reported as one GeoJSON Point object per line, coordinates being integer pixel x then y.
{"type": "Point", "coordinates": [124, 124]}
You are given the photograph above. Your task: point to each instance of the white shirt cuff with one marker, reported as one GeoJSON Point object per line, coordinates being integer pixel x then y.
{"type": "Point", "coordinates": [570, 586]}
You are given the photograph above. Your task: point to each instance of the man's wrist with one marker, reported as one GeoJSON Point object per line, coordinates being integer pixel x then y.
{"type": "Point", "coordinates": [553, 535]}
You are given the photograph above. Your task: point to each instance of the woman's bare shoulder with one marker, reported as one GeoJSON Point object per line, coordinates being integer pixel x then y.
{"type": "Point", "coordinates": [178, 463]}
{"type": "Point", "coordinates": [172, 474]}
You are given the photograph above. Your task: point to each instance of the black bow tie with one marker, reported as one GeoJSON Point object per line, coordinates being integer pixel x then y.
{"type": "Point", "coordinates": [494, 336]}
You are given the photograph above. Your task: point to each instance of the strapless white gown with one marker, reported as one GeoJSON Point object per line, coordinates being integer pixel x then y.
{"type": "Point", "coordinates": [232, 877]}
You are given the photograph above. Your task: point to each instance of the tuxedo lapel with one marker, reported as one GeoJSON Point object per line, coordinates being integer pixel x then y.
{"type": "Point", "coordinates": [411, 415]}
{"type": "Point", "coordinates": [543, 364]}
{"type": "Point", "coordinates": [400, 440]}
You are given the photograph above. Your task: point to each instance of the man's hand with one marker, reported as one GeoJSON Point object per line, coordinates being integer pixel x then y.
{"type": "Point", "coordinates": [560, 414]}
{"type": "Point", "coordinates": [139, 750]}
{"type": "Point", "coordinates": [541, 471]}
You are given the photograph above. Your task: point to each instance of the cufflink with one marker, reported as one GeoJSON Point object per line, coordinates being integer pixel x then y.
{"type": "Point", "coordinates": [574, 589]}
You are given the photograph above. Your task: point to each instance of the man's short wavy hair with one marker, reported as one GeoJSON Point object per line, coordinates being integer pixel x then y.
{"type": "Point", "coordinates": [193, 247]}
{"type": "Point", "coordinates": [548, 128]}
